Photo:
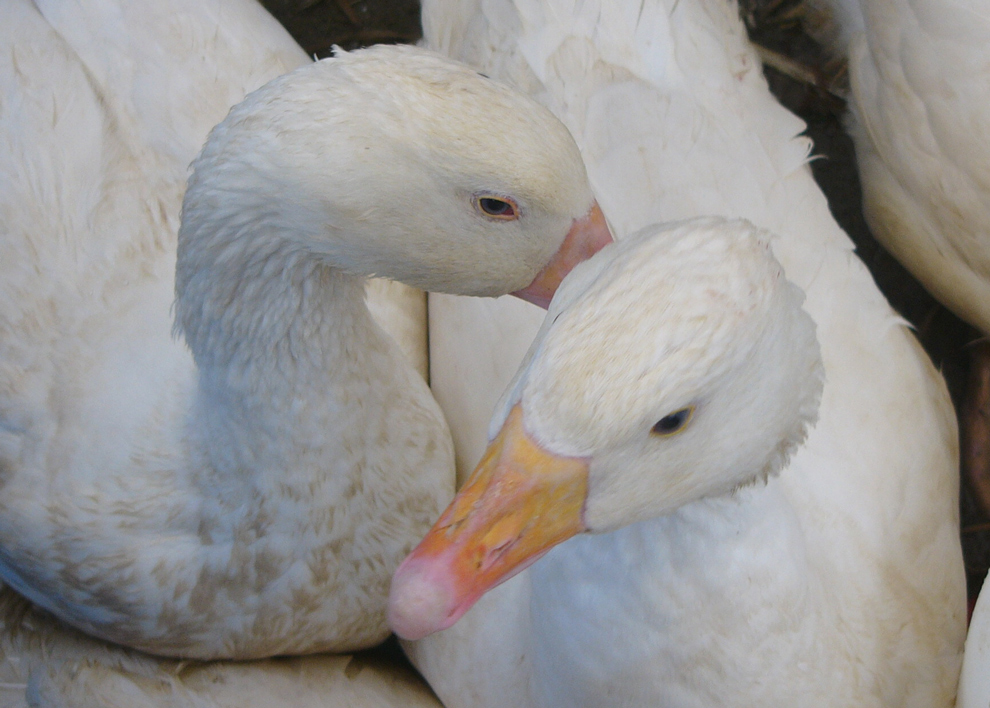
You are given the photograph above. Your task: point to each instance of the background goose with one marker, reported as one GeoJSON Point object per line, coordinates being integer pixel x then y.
{"type": "Point", "coordinates": [974, 681]}
{"type": "Point", "coordinates": [919, 76]}
{"type": "Point", "coordinates": [919, 85]}
{"type": "Point", "coordinates": [860, 530]}
{"type": "Point", "coordinates": [919, 94]}
{"type": "Point", "coordinates": [245, 488]}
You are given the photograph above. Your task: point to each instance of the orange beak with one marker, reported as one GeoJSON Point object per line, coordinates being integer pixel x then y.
{"type": "Point", "coordinates": [588, 235]}
{"type": "Point", "coordinates": [519, 502]}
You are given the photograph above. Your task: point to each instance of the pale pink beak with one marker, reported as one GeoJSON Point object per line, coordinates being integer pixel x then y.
{"type": "Point", "coordinates": [588, 235]}
{"type": "Point", "coordinates": [520, 501]}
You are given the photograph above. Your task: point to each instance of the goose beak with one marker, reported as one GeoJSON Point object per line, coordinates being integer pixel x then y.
{"type": "Point", "coordinates": [519, 502]}
{"type": "Point", "coordinates": [588, 235]}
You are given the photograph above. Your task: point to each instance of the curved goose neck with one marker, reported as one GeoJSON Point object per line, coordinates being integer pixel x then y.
{"type": "Point", "coordinates": [273, 327]}
{"type": "Point", "coordinates": [263, 307]}
{"type": "Point", "coordinates": [257, 275]}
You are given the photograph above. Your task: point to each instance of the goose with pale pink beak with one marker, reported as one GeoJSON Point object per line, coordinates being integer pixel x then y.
{"type": "Point", "coordinates": [211, 448]}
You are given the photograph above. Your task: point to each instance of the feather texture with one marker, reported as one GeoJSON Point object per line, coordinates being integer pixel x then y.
{"type": "Point", "coordinates": [840, 581]}
{"type": "Point", "coordinates": [244, 485]}
{"type": "Point", "coordinates": [920, 83]}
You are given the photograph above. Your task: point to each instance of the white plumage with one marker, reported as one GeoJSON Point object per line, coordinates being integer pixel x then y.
{"type": "Point", "coordinates": [919, 75]}
{"type": "Point", "coordinates": [840, 581]}
{"type": "Point", "coordinates": [974, 682]}
{"type": "Point", "coordinates": [244, 487]}
{"type": "Point", "coordinates": [671, 319]}
{"type": "Point", "coordinates": [45, 664]}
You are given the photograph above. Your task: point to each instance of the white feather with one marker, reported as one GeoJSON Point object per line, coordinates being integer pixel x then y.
{"type": "Point", "coordinates": [246, 487]}
{"type": "Point", "coordinates": [840, 582]}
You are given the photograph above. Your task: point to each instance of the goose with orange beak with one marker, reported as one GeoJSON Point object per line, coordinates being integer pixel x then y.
{"type": "Point", "coordinates": [675, 366]}
{"type": "Point", "coordinates": [839, 581]}
{"type": "Point", "coordinates": [647, 433]}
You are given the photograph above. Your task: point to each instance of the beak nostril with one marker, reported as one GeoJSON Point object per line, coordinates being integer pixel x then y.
{"type": "Point", "coordinates": [495, 554]}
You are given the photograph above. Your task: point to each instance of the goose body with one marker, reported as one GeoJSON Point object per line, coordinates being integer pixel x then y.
{"type": "Point", "coordinates": [974, 681]}
{"type": "Point", "coordinates": [919, 76]}
{"type": "Point", "coordinates": [45, 663]}
{"type": "Point", "coordinates": [919, 110]}
{"type": "Point", "coordinates": [241, 485]}
{"type": "Point", "coordinates": [839, 581]}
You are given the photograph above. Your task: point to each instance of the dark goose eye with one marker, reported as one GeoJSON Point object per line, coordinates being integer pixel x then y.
{"type": "Point", "coordinates": [498, 207]}
{"type": "Point", "coordinates": [673, 423]}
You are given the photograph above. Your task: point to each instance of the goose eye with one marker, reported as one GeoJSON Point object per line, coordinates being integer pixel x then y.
{"type": "Point", "coordinates": [498, 207]}
{"type": "Point", "coordinates": [673, 423]}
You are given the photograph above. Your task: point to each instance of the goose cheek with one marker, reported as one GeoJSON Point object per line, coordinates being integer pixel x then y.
{"type": "Point", "coordinates": [519, 502]}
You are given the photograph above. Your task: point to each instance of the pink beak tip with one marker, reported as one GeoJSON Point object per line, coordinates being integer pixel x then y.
{"type": "Point", "coordinates": [588, 235]}
{"type": "Point", "coordinates": [420, 603]}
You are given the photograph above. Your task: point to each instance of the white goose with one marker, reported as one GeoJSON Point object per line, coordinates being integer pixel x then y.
{"type": "Point", "coordinates": [840, 581]}
{"type": "Point", "coordinates": [634, 402]}
{"type": "Point", "coordinates": [919, 76]}
{"type": "Point", "coordinates": [974, 681]}
{"type": "Point", "coordinates": [919, 73]}
{"type": "Point", "coordinates": [44, 663]}
{"type": "Point", "coordinates": [245, 488]}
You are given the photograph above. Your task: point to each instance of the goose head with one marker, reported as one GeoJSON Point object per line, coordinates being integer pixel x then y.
{"type": "Point", "coordinates": [675, 365]}
{"type": "Point", "coordinates": [395, 162]}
